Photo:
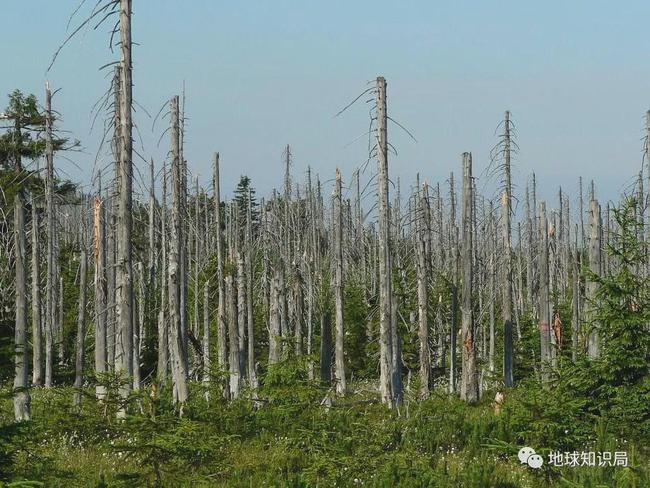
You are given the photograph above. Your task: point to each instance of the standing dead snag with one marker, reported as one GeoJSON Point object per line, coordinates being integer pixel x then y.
{"type": "Point", "coordinates": [469, 373]}
{"type": "Point", "coordinates": [222, 356]}
{"type": "Point", "coordinates": [163, 324]}
{"type": "Point", "coordinates": [50, 293]}
{"type": "Point", "coordinates": [178, 349]}
{"type": "Point", "coordinates": [544, 310]}
{"type": "Point", "coordinates": [506, 284]}
{"type": "Point", "coordinates": [22, 398]}
{"type": "Point", "coordinates": [81, 327]}
{"type": "Point", "coordinates": [388, 395]}
{"type": "Point", "coordinates": [423, 297]}
{"type": "Point", "coordinates": [124, 267]}
{"type": "Point", "coordinates": [37, 343]}
{"type": "Point", "coordinates": [339, 358]}
{"type": "Point", "coordinates": [593, 346]}
{"type": "Point", "coordinates": [252, 374]}
{"type": "Point", "coordinates": [100, 290]}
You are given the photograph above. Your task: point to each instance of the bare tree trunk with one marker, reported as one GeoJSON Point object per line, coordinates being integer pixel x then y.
{"type": "Point", "coordinates": [100, 292]}
{"type": "Point", "coordinates": [179, 351]}
{"type": "Point", "coordinates": [50, 294]}
{"type": "Point", "coordinates": [544, 312]}
{"type": "Point", "coordinates": [138, 328]}
{"type": "Point", "coordinates": [222, 356]}
{"type": "Point", "coordinates": [506, 285]}
{"type": "Point", "coordinates": [455, 263]}
{"type": "Point", "coordinates": [385, 264]}
{"type": "Point", "coordinates": [339, 358]}
{"type": "Point", "coordinates": [252, 373]}
{"type": "Point", "coordinates": [575, 305]}
{"type": "Point", "coordinates": [81, 328]}
{"type": "Point", "coordinates": [37, 337]}
{"type": "Point", "coordinates": [206, 338]}
{"type": "Point", "coordinates": [593, 345]}
{"type": "Point", "coordinates": [233, 338]}
{"type": "Point", "coordinates": [163, 324]}
{"type": "Point", "coordinates": [124, 305]}
{"type": "Point", "coordinates": [22, 399]}
{"type": "Point", "coordinates": [242, 315]}
{"type": "Point", "coordinates": [469, 372]}
{"type": "Point", "coordinates": [274, 318]}
{"type": "Point", "coordinates": [423, 297]}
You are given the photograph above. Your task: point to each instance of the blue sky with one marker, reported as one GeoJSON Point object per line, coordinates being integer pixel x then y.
{"type": "Point", "coordinates": [259, 75]}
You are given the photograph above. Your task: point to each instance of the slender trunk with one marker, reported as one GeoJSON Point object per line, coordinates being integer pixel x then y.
{"type": "Point", "coordinates": [22, 399]}
{"type": "Point", "coordinates": [37, 344]}
{"type": "Point", "coordinates": [385, 266]}
{"type": "Point", "coordinates": [469, 372]}
{"type": "Point", "coordinates": [100, 294]}
{"type": "Point", "coordinates": [179, 351]}
{"type": "Point", "coordinates": [124, 278]}
{"type": "Point", "coordinates": [339, 358]}
{"type": "Point", "coordinates": [50, 294]}
{"type": "Point", "coordinates": [222, 356]}
{"type": "Point", "coordinates": [593, 346]}
{"type": "Point", "coordinates": [81, 329]}
{"type": "Point", "coordinates": [506, 284]}
{"type": "Point", "coordinates": [544, 312]}
{"type": "Point", "coordinates": [163, 324]}
{"type": "Point", "coordinates": [423, 297]}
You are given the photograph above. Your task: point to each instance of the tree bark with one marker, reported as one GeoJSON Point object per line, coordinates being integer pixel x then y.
{"type": "Point", "coordinates": [339, 357]}
{"type": "Point", "coordinates": [22, 399]}
{"type": "Point", "coordinates": [81, 328]}
{"type": "Point", "coordinates": [469, 372]}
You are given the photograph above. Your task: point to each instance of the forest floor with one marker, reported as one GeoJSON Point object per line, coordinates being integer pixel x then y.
{"type": "Point", "coordinates": [290, 437]}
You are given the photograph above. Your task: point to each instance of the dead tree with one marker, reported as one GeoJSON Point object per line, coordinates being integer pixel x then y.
{"type": "Point", "coordinates": [593, 345]}
{"type": "Point", "coordinates": [163, 323]}
{"type": "Point", "coordinates": [100, 291]}
{"type": "Point", "coordinates": [506, 280]}
{"type": "Point", "coordinates": [22, 399]}
{"type": "Point", "coordinates": [81, 327]}
{"type": "Point", "coordinates": [50, 210]}
{"type": "Point", "coordinates": [222, 356]}
{"type": "Point", "coordinates": [339, 358]}
{"type": "Point", "coordinates": [385, 261]}
{"type": "Point", "coordinates": [544, 310]}
{"type": "Point", "coordinates": [423, 286]}
{"type": "Point", "coordinates": [469, 390]}
{"type": "Point", "coordinates": [37, 337]}
{"type": "Point", "coordinates": [178, 348]}
{"type": "Point", "coordinates": [124, 267]}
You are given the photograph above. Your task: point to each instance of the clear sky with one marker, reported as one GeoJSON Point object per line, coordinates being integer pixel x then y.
{"type": "Point", "coordinates": [261, 74]}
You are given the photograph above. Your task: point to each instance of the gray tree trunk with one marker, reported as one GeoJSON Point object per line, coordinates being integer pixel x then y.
{"type": "Point", "coordinates": [544, 311]}
{"type": "Point", "coordinates": [179, 352]}
{"type": "Point", "coordinates": [339, 358]}
{"type": "Point", "coordinates": [506, 284]}
{"type": "Point", "coordinates": [124, 268]}
{"type": "Point", "coordinates": [423, 297]}
{"type": "Point", "coordinates": [100, 292]}
{"type": "Point", "coordinates": [385, 263]}
{"type": "Point", "coordinates": [593, 345]}
{"type": "Point", "coordinates": [469, 372]}
{"type": "Point", "coordinates": [81, 328]}
{"type": "Point", "coordinates": [50, 293]}
{"type": "Point", "coordinates": [22, 399]}
{"type": "Point", "coordinates": [37, 337]}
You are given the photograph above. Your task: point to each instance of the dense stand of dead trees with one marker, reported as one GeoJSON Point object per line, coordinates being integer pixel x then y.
{"type": "Point", "coordinates": [213, 274]}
